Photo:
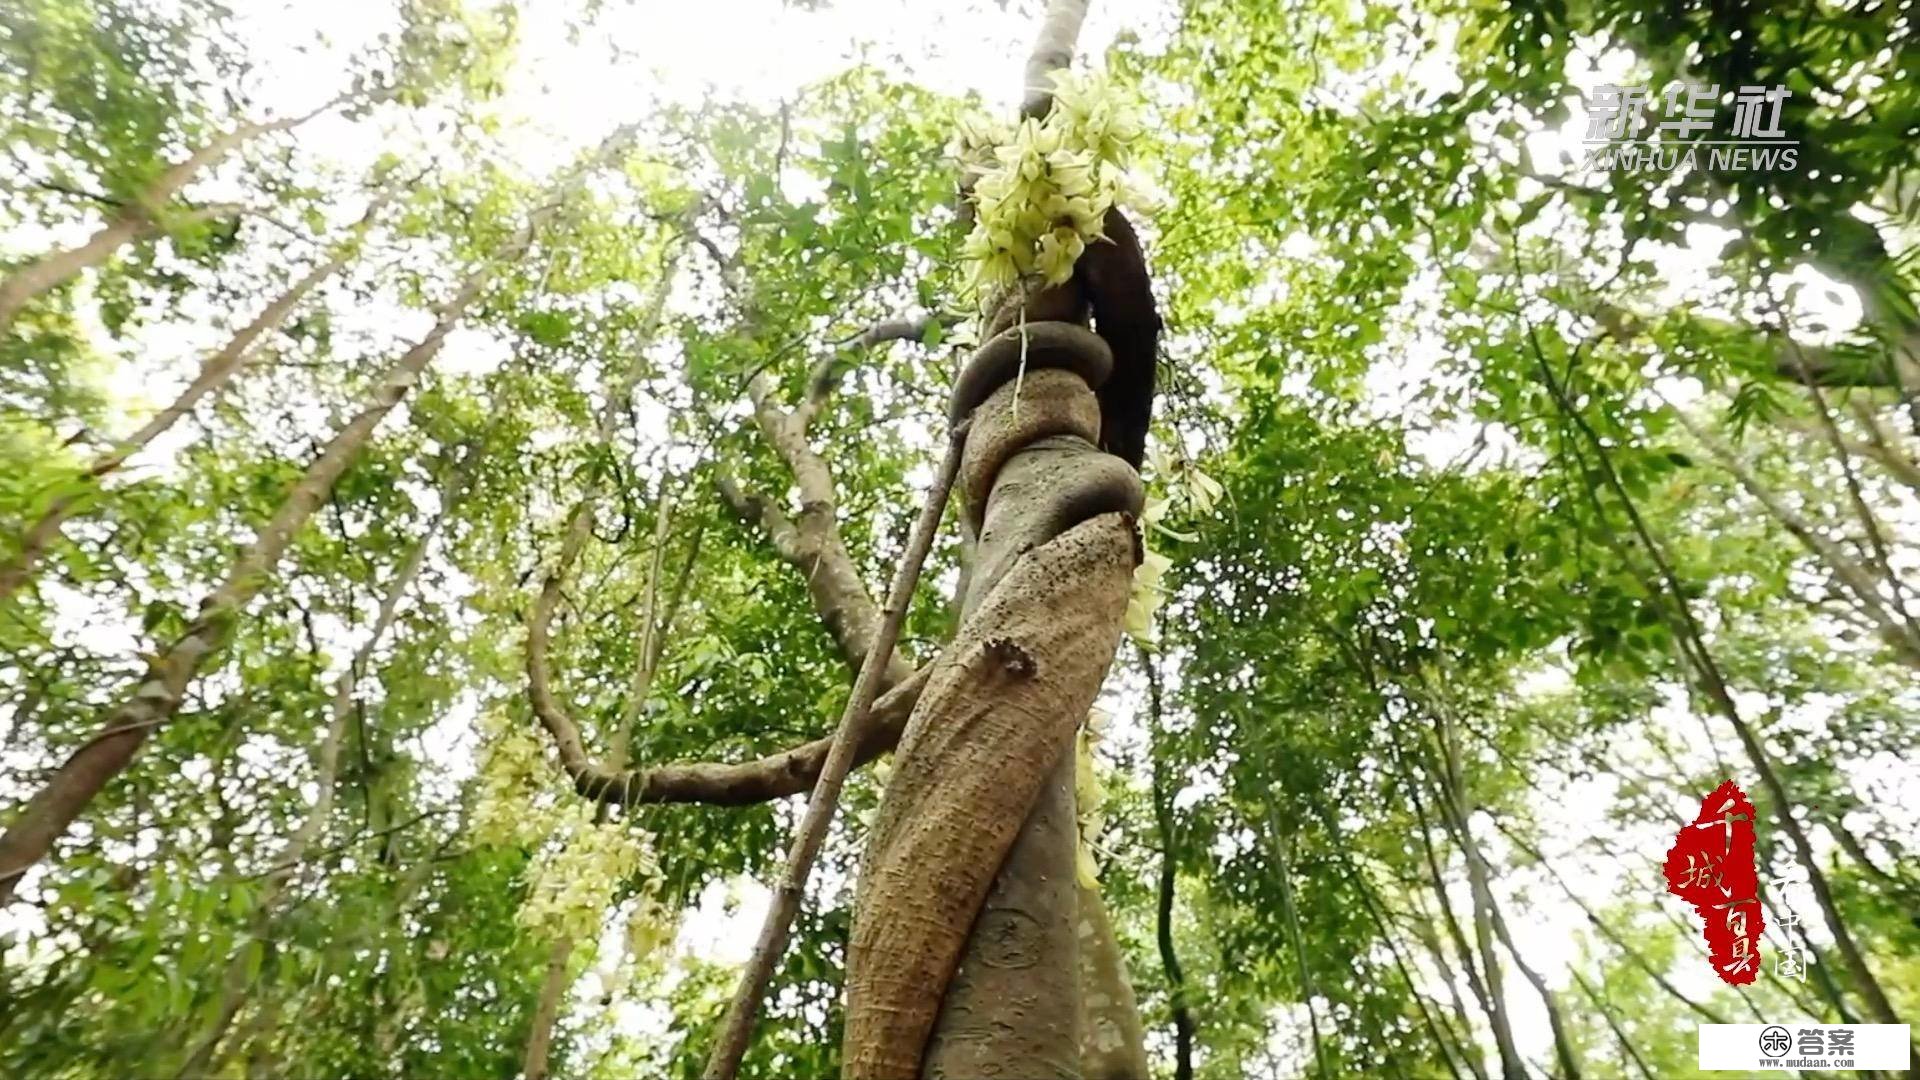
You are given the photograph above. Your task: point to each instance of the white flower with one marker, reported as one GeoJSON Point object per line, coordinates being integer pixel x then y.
{"type": "Point", "coordinates": [1044, 189]}
{"type": "Point", "coordinates": [1058, 250]}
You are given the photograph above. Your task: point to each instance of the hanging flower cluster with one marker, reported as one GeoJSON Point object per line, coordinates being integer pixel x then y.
{"type": "Point", "coordinates": [573, 877]}
{"type": "Point", "coordinates": [578, 862]}
{"type": "Point", "coordinates": [511, 773]}
{"type": "Point", "coordinates": [1043, 188]}
{"type": "Point", "coordinates": [1196, 494]}
{"type": "Point", "coordinates": [644, 951]}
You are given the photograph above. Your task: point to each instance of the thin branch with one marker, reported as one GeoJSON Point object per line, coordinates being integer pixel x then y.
{"type": "Point", "coordinates": [738, 1026]}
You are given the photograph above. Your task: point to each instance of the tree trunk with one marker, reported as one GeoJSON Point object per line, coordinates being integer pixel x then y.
{"type": "Point", "coordinates": [1448, 1051]}
{"type": "Point", "coordinates": [1016, 995]}
{"type": "Point", "coordinates": [1112, 1044]}
{"type": "Point", "coordinates": [1706, 1012]}
{"type": "Point", "coordinates": [158, 697]}
{"type": "Point", "coordinates": [1297, 941]}
{"type": "Point", "coordinates": [1183, 1025]}
{"type": "Point", "coordinates": [20, 287]}
{"type": "Point", "coordinates": [546, 1011]}
{"type": "Point", "coordinates": [218, 369]}
{"type": "Point", "coordinates": [1486, 992]}
{"type": "Point", "coordinates": [983, 762]}
{"type": "Point", "coordinates": [1613, 1024]}
{"type": "Point", "coordinates": [1664, 581]}
{"type": "Point", "coordinates": [1458, 808]}
{"type": "Point", "coordinates": [141, 217]}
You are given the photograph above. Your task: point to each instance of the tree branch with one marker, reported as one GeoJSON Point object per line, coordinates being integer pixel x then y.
{"type": "Point", "coordinates": [716, 783]}
{"type": "Point", "coordinates": [826, 374]}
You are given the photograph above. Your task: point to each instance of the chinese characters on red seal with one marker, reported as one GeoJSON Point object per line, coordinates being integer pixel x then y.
{"type": "Point", "coordinates": [1711, 866]}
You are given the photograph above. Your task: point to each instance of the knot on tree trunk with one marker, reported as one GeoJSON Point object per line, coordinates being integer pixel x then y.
{"type": "Point", "coordinates": [976, 831]}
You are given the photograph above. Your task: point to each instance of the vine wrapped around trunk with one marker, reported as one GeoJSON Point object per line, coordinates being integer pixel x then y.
{"type": "Point", "coordinates": [963, 959]}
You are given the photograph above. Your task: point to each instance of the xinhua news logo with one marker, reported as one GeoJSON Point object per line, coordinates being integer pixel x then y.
{"type": "Point", "coordinates": [1632, 129]}
{"type": "Point", "coordinates": [1805, 1047]}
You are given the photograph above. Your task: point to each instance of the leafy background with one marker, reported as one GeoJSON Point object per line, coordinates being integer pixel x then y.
{"type": "Point", "coordinates": [1478, 476]}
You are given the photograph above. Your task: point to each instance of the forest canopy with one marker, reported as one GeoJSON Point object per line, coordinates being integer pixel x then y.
{"type": "Point", "coordinates": [465, 467]}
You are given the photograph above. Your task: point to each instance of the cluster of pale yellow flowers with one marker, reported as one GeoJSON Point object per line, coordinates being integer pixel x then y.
{"type": "Point", "coordinates": [577, 871]}
{"type": "Point", "coordinates": [1197, 494]}
{"type": "Point", "coordinates": [511, 773]}
{"type": "Point", "coordinates": [1043, 187]}
{"type": "Point", "coordinates": [647, 938]}
{"type": "Point", "coordinates": [579, 862]}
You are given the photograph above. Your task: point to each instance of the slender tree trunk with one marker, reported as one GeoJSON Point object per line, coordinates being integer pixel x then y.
{"type": "Point", "coordinates": [1666, 582]}
{"type": "Point", "coordinates": [1613, 1024]}
{"type": "Point", "coordinates": [1461, 1018]}
{"type": "Point", "coordinates": [1706, 1012]}
{"type": "Point", "coordinates": [546, 1011]}
{"type": "Point", "coordinates": [1487, 992]}
{"type": "Point", "coordinates": [1894, 625]}
{"type": "Point", "coordinates": [215, 373]}
{"type": "Point", "coordinates": [143, 216]}
{"type": "Point", "coordinates": [20, 287]}
{"type": "Point", "coordinates": [159, 696]}
{"type": "Point", "coordinates": [1307, 990]}
{"type": "Point", "coordinates": [1183, 1024]}
{"type": "Point", "coordinates": [1457, 809]}
{"type": "Point", "coordinates": [1373, 908]}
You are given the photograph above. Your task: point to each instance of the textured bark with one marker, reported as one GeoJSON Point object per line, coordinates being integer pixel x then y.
{"type": "Point", "coordinates": [981, 797]}
{"type": "Point", "coordinates": [1112, 1043]}
{"type": "Point", "coordinates": [997, 716]}
{"type": "Point", "coordinates": [1042, 619]}
{"type": "Point", "coordinates": [1013, 1008]}
{"type": "Point", "coordinates": [737, 1027]}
